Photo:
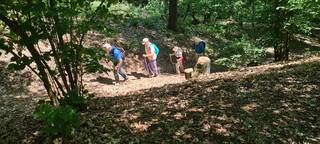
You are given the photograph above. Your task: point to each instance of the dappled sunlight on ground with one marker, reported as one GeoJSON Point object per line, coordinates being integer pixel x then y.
{"type": "Point", "coordinates": [19, 91]}
{"type": "Point", "coordinates": [280, 105]}
{"type": "Point", "coordinates": [277, 103]}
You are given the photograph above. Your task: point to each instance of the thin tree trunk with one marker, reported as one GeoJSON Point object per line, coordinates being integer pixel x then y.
{"type": "Point", "coordinates": [42, 72]}
{"type": "Point", "coordinates": [58, 63]}
{"type": "Point", "coordinates": [173, 15]}
{"type": "Point", "coordinates": [280, 34]}
{"type": "Point", "coordinates": [25, 39]}
{"type": "Point", "coordinates": [253, 10]}
{"type": "Point", "coordinates": [277, 33]}
{"type": "Point", "coordinates": [286, 46]}
{"type": "Point", "coordinates": [55, 79]}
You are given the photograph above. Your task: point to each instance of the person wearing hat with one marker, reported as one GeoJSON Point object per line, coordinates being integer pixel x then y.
{"type": "Point", "coordinates": [118, 61]}
{"type": "Point", "coordinates": [150, 57]}
{"type": "Point", "coordinates": [198, 46]}
{"type": "Point", "coordinates": [178, 53]}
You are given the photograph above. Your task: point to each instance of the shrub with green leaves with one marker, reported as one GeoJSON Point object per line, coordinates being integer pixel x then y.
{"type": "Point", "coordinates": [74, 100]}
{"type": "Point", "coordinates": [240, 52]}
{"type": "Point", "coordinates": [147, 15]}
{"type": "Point", "coordinates": [58, 121]}
{"type": "Point", "coordinates": [91, 57]}
{"type": "Point", "coordinates": [225, 62]}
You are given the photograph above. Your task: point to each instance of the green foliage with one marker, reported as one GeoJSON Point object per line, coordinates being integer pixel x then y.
{"type": "Point", "coordinates": [206, 11]}
{"type": "Point", "coordinates": [20, 62]}
{"type": "Point", "coordinates": [298, 17]}
{"type": "Point", "coordinates": [58, 121]}
{"type": "Point", "coordinates": [61, 26]}
{"type": "Point", "coordinates": [75, 101]}
{"type": "Point", "coordinates": [92, 58]}
{"type": "Point", "coordinates": [240, 52]}
{"type": "Point", "coordinates": [126, 10]}
{"type": "Point", "coordinates": [155, 8]}
{"type": "Point", "coordinates": [147, 15]}
{"type": "Point", "coordinates": [226, 62]}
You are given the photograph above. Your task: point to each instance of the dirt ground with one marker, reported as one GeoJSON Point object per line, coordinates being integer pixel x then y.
{"type": "Point", "coordinates": [20, 91]}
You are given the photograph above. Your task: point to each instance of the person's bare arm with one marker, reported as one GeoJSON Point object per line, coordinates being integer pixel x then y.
{"type": "Point", "coordinates": [147, 55]}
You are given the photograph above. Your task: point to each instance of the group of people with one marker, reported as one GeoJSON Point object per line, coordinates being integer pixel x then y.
{"type": "Point", "coordinates": [150, 57]}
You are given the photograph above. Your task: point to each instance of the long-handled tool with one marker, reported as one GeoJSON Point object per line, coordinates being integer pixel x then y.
{"type": "Point", "coordinates": [147, 67]}
{"type": "Point", "coordinates": [172, 62]}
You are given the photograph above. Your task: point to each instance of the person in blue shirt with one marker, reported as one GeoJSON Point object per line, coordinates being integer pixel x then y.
{"type": "Point", "coordinates": [199, 46]}
{"type": "Point", "coordinates": [118, 61]}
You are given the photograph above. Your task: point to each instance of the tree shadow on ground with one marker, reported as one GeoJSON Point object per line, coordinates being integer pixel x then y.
{"type": "Point", "coordinates": [304, 47]}
{"type": "Point", "coordinates": [12, 81]}
{"type": "Point", "coordinates": [16, 105]}
{"type": "Point", "coordinates": [280, 106]}
{"type": "Point", "coordinates": [138, 75]}
{"type": "Point", "coordinates": [103, 80]}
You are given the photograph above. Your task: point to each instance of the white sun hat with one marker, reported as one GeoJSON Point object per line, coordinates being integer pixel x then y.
{"type": "Point", "coordinates": [144, 40]}
{"type": "Point", "coordinates": [106, 45]}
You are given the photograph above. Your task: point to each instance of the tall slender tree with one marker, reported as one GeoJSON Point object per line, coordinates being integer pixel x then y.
{"type": "Point", "coordinates": [173, 14]}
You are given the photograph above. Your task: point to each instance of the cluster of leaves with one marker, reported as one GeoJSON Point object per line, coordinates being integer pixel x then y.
{"type": "Point", "coordinates": [75, 101]}
{"type": "Point", "coordinates": [58, 121]}
{"type": "Point", "coordinates": [240, 52]}
{"type": "Point", "coordinates": [92, 57]}
{"type": "Point", "coordinates": [204, 8]}
{"type": "Point", "coordinates": [62, 26]}
{"type": "Point", "coordinates": [142, 15]}
{"type": "Point", "coordinates": [63, 120]}
{"type": "Point", "coordinates": [278, 19]}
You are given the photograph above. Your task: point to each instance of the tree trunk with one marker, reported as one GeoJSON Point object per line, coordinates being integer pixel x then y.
{"type": "Point", "coordinates": [253, 10]}
{"type": "Point", "coordinates": [286, 46]}
{"type": "Point", "coordinates": [58, 63]}
{"type": "Point", "coordinates": [173, 14]}
{"type": "Point", "coordinates": [281, 49]}
{"type": "Point", "coordinates": [26, 40]}
{"type": "Point", "coordinates": [277, 32]}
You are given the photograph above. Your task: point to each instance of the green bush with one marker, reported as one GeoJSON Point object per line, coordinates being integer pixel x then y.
{"type": "Point", "coordinates": [92, 57]}
{"type": "Point", "coordinates": [58, 121]}
{"type": "Point", "coordinates": [74, 100]}
{"type": "Point", "coordinates": [147, 16]}
{"type": "Point", "coordinates": [240, 52]}
{"type": "Point", "coordinates": [225, 62]}
{"type": "Point", "coordinates": [126, 10]}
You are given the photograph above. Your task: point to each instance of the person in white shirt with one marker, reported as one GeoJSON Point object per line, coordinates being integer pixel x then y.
{"type": "Point", "coordinates": [178, 53]}
{"type": "Point", "coordinates": [150, 57]}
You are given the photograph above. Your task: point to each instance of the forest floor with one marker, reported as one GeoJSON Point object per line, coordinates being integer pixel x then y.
{"type": "Point", "coordinates": [277, 102]}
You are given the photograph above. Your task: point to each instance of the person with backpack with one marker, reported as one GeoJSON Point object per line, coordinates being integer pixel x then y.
{"type": "Point", "coordinates": [150, 57]}
{"type": "Point", "coordinates": [199, 46]}
{"type": "Point", "coordinates": [117, 58]}
{"type": "Point", "coordinates": [178, 53]}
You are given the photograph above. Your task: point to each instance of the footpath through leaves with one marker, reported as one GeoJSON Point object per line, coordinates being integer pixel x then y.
{"type": "Point", "coordinates": [280, 105]}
